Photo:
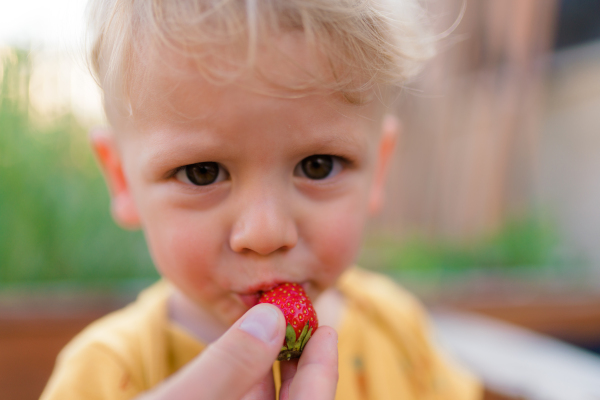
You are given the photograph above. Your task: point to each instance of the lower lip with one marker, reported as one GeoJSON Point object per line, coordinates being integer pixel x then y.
{"type": "Point", "coordinates": [250, 300]}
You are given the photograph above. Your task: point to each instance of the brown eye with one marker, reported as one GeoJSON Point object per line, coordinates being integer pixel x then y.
{"type": "Point", "coordinates": [201, 174]}
{"type": "Point", "coordinates": [317, 166]}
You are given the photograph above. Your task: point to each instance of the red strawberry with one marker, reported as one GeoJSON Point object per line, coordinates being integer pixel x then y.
{"type": "Point", "coordinates": [300, 317]}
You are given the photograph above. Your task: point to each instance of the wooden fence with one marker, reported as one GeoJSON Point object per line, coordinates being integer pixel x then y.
{"type": "Point", "coordinates": [468, 152]}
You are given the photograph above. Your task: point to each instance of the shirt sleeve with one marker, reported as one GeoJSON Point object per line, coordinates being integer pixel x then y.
{"type": "Point", "coordinates": [92, 373]}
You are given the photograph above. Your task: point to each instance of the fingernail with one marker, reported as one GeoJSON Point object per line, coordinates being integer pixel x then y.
{"type": "Point", "coordinates": [261, 322]}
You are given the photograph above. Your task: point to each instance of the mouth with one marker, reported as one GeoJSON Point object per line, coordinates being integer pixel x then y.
{"type": "Point", "coordinates": [250, 300]}
{"type": "Point", "coordinates": [251, 297]}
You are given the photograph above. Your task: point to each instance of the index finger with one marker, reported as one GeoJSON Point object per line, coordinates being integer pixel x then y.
{"type": "Point", "coordinates": [317, 371]}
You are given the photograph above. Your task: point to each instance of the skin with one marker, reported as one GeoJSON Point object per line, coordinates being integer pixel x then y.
{"type": "Point", "coordinates": [261, 223]}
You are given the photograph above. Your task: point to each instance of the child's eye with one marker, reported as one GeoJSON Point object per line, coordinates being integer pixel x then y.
{"type": "Point", "coordinates": [319, 166]}
{"type": "Point", "coordinates": [201, 174]}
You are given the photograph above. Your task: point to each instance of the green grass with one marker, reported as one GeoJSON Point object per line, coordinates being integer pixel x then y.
{"type": "Point", "coordinates": [55, 224]}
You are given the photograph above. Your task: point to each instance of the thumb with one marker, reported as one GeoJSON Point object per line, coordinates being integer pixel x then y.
{"type": "Point", "coordinates": [232, 365]}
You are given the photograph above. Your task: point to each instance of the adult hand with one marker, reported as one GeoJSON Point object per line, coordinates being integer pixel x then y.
{"type": "Point", "coordinates": [239, 364]}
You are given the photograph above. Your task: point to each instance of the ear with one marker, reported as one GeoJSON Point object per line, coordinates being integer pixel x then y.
{"type": "Point", "coordinates": [122, 205]}
{"type": "Point", "coordinates": [390, 130]}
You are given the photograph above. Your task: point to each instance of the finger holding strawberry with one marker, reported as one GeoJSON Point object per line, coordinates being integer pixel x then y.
{"type": "Point", "coordinates": [239, 364]}
{"type": "Point", "coordinates": [315, 375]}
{"type": "Point", "coordinates": [309, 369]}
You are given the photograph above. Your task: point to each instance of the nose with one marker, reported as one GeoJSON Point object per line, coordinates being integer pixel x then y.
{"type": "Point", "coordinates": [264, 225]}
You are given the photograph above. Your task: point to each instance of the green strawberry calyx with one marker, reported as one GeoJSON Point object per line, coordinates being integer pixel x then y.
{"type": "Point", "coordinates": [293, 346]}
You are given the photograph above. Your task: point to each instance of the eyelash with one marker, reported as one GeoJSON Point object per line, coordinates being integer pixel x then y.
{"type": "Point", "coordinates": [319, 167]}
{"type": "Point", "coordinates": [343, 161]}
{"type": "Point", "coordinates": [221, 173]}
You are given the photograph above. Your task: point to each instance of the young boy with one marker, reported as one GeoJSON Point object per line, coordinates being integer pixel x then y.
{"type": "Point", "coordinates": [249, 141]}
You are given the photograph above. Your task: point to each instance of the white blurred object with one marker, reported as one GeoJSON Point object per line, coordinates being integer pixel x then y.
{"type": "Point", "coordinates": [57, 24]}
{"type": "Point", "coordinates": [518, 362]}
{"type": "Point", "coordinates": [61, 82]}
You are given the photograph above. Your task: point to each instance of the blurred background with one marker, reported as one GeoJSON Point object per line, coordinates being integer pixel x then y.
{"type": "Point", "coordinates": [493, 200]}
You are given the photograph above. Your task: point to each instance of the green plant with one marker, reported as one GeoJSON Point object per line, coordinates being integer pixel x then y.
{"type": "Point", "coordinates": [54, 212]}
{"type": "Point", "coordinates": [522, 243]}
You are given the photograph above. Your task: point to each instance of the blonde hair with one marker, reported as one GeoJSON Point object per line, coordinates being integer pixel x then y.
{"type": "Point", "coordinates": [365, 43]}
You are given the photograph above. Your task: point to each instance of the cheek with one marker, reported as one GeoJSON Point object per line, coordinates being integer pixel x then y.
{"type": "Point", "coordinates": [182, 253]}
{"type": "Point", "coordinates": [336, 237]}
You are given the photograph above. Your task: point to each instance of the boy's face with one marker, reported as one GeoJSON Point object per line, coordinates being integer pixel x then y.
{"type": "Point", "coordinates": [238, 191]}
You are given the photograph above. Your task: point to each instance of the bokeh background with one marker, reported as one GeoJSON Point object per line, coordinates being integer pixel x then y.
{"type": "Point", "coordinates": [493, 199]}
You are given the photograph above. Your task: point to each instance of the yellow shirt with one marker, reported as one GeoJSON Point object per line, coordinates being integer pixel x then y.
{"type": "Point", "coordinates": [384, 349]}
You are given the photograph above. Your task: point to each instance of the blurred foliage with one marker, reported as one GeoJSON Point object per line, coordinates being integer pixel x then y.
{"type": "Point", "coordinates": [54, 208]}
{"type": "Point", "coordinates": [524, 243]}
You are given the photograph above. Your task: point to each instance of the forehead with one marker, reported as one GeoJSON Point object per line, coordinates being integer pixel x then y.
{"type": "Point", "coordinates": [196, 102]}
{"type": "Point", "coordinates": [181, 116]}
{"type": "Point", "coordinates": [214, 118]}
{"type": "Point", "coordinates": [237, 128]}
{"type": "Point", "coordinates": [165, 81]}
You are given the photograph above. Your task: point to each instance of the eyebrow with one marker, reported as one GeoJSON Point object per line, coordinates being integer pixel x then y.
{"type": "Point", "coordinates": [169, 155]}
{"type": "Point", "coordinates": [339, 137]}
{"type": "Point", "coordinates": [325, 143]}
